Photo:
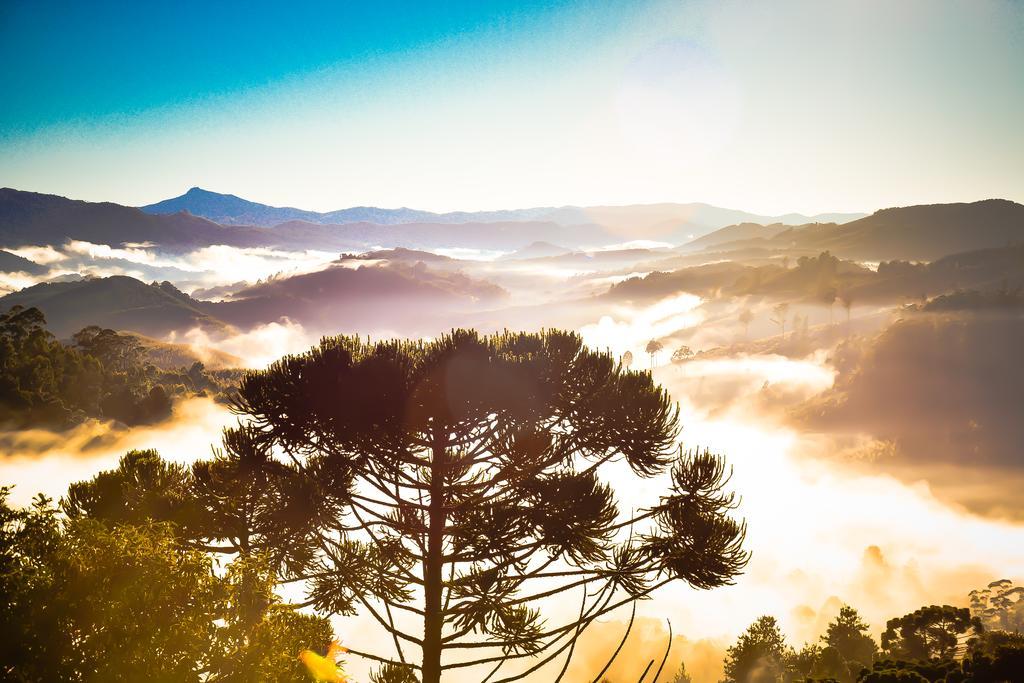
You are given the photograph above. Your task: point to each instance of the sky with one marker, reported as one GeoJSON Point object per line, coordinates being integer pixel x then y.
{"type": "Point", "coordinates": [772, 107]}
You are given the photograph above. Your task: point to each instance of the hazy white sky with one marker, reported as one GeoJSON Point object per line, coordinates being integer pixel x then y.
{"type": "Point", "coordinates": [790, 105]}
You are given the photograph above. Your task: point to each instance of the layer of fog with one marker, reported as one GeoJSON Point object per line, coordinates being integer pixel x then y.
{"type": "Point", "coordinates": [42, 461]}
{"type": "Point", "coordinates": [941, 393]}
{"type": "Point", "coordinates": [201, 268]}
{"type": "Point", "coordinates": [824, 529]}
{"type": "Point", "coordinates": [822, 534]}
{"type": "Point", "coordinates": [215, 273]}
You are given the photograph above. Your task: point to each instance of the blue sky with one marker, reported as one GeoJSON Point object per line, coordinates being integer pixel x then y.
{"type": "Point", "coordinates": [87, 61]}
{"type": "Point", "coordinates": [769, 106]}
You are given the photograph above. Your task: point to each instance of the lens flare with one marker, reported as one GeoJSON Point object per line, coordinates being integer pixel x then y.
{"type": "Point", "coordinates": [325, 668]}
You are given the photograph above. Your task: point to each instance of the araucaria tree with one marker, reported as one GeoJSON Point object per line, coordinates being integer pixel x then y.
{"type": "Point", "coordinates": [759, 655]}
{"type": "Point", "coordinates": [454, 490]}
{"type": "Point", "coordinates": [930, 632]}
{"type": "Point", "coordinates": [848, 635]}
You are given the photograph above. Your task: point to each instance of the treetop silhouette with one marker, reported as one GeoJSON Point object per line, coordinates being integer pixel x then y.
{"type": "Point", "coordinates": [934, 631]}
{"type": "Point", "coordinates": [453, 486]}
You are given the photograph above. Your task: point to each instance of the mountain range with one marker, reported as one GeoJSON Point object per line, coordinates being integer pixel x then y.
{"type": "Point", "coordinates": [30, 218]}
{"type": "Point", "coordinates": [639, 219]}
{"type": "Point", "coordinates": [915, 233]}
{"type": "Point", "coordinates": [204, 218]}
{"type": "Point", "coordinates": [400, 279]}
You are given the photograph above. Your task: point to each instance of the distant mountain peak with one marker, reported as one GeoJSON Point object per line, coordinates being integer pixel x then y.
{"type": "Point", "coordinates": [202, 192]}
{"type": "Point", "coordinates": [227, 209]}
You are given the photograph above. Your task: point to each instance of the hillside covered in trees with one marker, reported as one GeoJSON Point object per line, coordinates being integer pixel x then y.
{"type": "Point", "coordinates": [99, 373]}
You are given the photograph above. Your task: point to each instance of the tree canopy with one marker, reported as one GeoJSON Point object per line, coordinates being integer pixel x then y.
{"type": "Point", "coordinates": [760, 655]}
{"type": "Point", "coordinates": [854, 649]}
{"type": "Point", "coordinates": [1000, 605]}
{"type": "Point", "coordinates": [101, 374]}
{"type": "Point", "coordinates": [682, 354]}
{"type": "Point", "coordinates": [84, 600]}
{"type": "Point", "coordinates": [930, 632]}
{"type": "Point", "coordinates": [453, 484]}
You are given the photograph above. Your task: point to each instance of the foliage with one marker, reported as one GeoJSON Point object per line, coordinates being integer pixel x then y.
{"type": "Point", "coordinates": [102, 374]}
{"type": "Point", "coordinates": [1000, 605]}
{"type": "Point", "coordinates": [805, 662]}
{"type": "Point", "coordinates": [988, 642]}
{"type": "Point", "coordinates": [821, 664]}
{"type": "Point", "coordinates": [760, 654]}
{"type": "Point", "coordinates": [251, 502]}
{"type": "Point", "coordinates": [41, 380]}
{"type": "Point", "coordinates": [930, 632]}
{"type": "Point", "coordinates": [995, 273]}
{"type": "Point", "coordinates": [815, 278]}
{"type": "Point", "coordinates": [682, 676]}
{"type": "Point", "coordinates": [977, 300]}
{"type": "Point", "coordinates": [242, 502]}
{"type": "Point", "coordinates": [90, 599]}
{"type": "Point", "coordinates": [904, 671]}
{"type": "Point", "coordinates": [260, 636]}
{"type": "Point", "coordinates": [848, 636]}
{"type": "Point", "coordinates": [653, 348]}
{"type": "Point", "coordinates": [143, 488]}
{"type": "Point", "coordinates": [682, 354]}
{"type": "Point", "coordinates": [79, 589]}
{"type": "Point", "coordinates": [29, 538]}
{"type": "Point", "coordinates": [119, 353]}
{"type": "Point", "coordinates": [394, 673]}
{"type": "Point", "coordinates": [443, 478]}
{"type": "Point", "coordinates": [1004, 663]}
{"type": "Point", "coordinates": [894, 676]}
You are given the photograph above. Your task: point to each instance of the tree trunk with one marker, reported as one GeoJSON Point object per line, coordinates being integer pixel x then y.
{"type": "Point", "coordinates": [432, 571]}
